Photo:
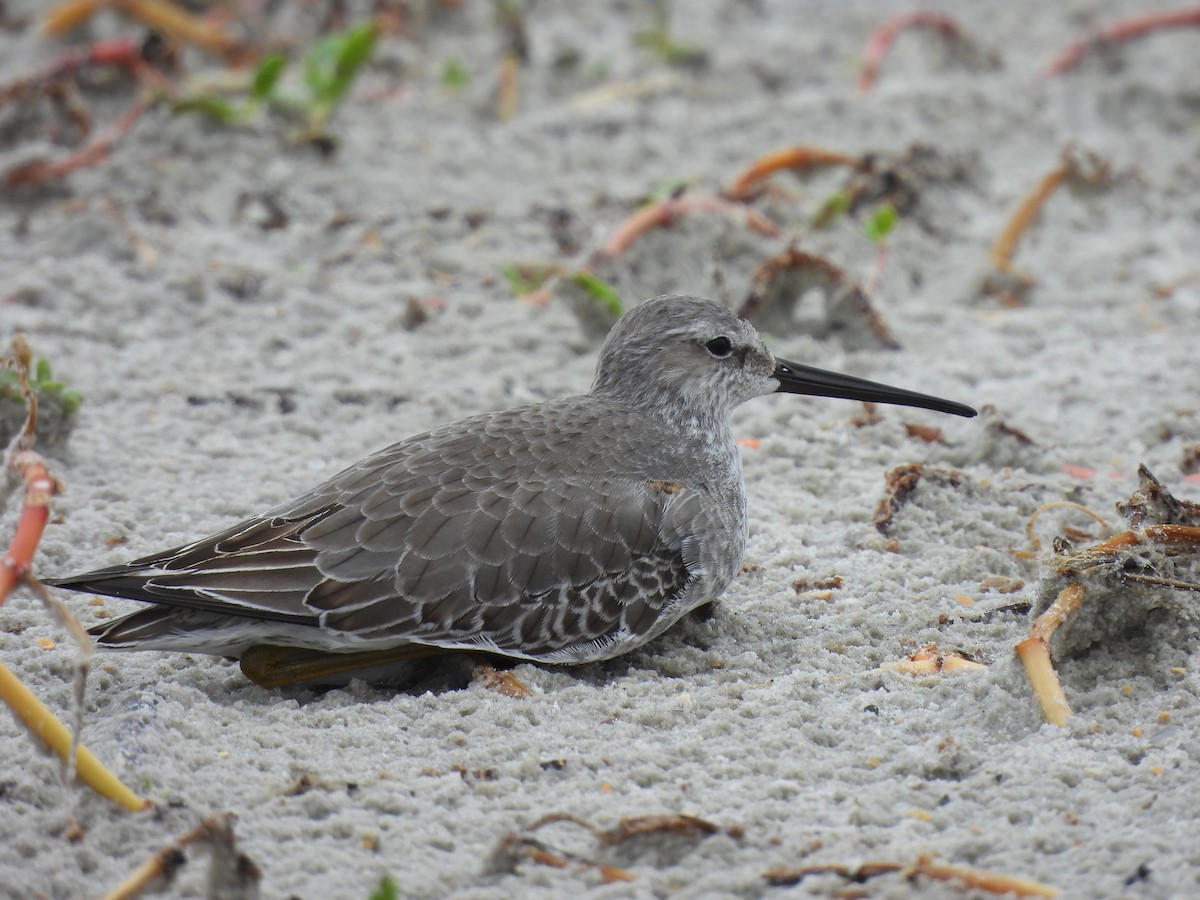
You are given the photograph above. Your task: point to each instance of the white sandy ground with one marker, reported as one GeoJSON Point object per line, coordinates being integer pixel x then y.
{"type": "Point", "coordinates": [775, 716]}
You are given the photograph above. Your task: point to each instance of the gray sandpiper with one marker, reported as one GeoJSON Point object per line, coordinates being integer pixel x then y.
{"type": "Point", "coordinates": [567, 531]}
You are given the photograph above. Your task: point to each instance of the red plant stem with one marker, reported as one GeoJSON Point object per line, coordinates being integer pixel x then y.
{"type": "Point", "coordinates": [41, 171]}
{"type": "Point", "coordinates": [40, 486]}
{"type": "Point", "coordinates": [885, 35]}
{"type": "Point", "coordinates": [665, 212]}
{"type": "Point", "coordinates": [1118, 31]}
{"type": "Point", "coordinates": [121, 52]}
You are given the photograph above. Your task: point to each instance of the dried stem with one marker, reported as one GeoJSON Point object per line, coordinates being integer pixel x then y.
{"type": "Point", "coordinates": [664, 213]}
{"type": "Point", "coordinates": [885, 35]}
{"type": "Point", "coordinates": [1079, 168]}
{"type": "Point", "coordinates": [158, 15]}
{"type": "Point", "coordinates": [232, 874]}
{"type": "Point", "coordinates": [1035, 544]}
{"type": "Point", "coordinates": [46, 726]}
{"type": "Point", "coordinates": [41, 171]}
{"type": "Point", "coordinates": [1006, 244]}
{"type": "Point", "coordinates": [793, 158]}
{"type": "Point", "coordinates": [509, 86]}
{"type": "Point", "coordinates": [121, 52]}
{"type": "Point", "coordinates": [1034, 652]}
{"type": "Point", "coordinates": [1119, 31]}
{"type": "Point", "coordinates": [925, 866]}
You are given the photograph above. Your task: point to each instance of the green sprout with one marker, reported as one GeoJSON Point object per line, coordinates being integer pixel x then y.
{"type": "Point", "coordinates": [43, 383]}
{"type": "Point", "coordinates": [455, 76]}
{"type": "Point", "coordinates": [524, 279]}
{"type": "Point", "coordinates": [667, 190]}
{"type": "Point", "coordinates": [329, 69]}
{"type": "Point", "coordinates": [331, 66]}
{"type": "Point", "coordinates": [601, 291]}
{"type": "Point", "coordinates": [657, 40]}
{"type": "Point", "coordinates": [881, 223]}
{"type": "Point", "coordinates": [836, 204]}
{"type": "Point", "coordinates": [387, 890]}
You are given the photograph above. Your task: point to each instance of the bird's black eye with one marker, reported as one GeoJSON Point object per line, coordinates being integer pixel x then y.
{"type": "Point", "coordinates": [720, 347]}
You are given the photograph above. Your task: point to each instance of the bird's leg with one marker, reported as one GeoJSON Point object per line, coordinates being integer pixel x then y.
{"type": "Point", "coordinates": [271, 667]}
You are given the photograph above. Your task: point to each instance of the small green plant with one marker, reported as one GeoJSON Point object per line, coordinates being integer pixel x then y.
{"type": "Point", "coordinates": [836, 205]}
{"type": "Point", "coordinates": [387, 889]}
{"type": "Point", "coordinates": [329, 69]}
{"type": "Point", "coordinates": [657, 41]}
{"type": "Point", "coordinates": [455, 76]}
{"type": "Point", "coordinates": [602, 292]}
{"type": "Point", "coordinates": [666, 190]}
{"type": "Point", "coordinates": [44, 384]}
{"type": "Point", "coordinates": [524, 279]}
{"type": "Point", "coordinates": [881, 222]}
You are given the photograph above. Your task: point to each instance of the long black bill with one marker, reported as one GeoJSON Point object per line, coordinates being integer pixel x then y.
{"type": "Point", "coordinates": [797, 379]}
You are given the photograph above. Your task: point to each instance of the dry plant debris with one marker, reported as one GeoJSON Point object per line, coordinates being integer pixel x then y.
{"type": "Point", "coordinates": [330, 65]}
{"type": "Point", "coordinates": [1080, 170]}
{"type": "Point", "coordinates": [779, 281]}
{"type": "Point", "coordinates": [665, 213]}
{"type": "Point", "coordinates": [889, 185]}
{"type": "Point", "coordinates": [1160, 551]}
{"type": "Point", "coordinates": [1118, 32]}
{"type": "Point", "coordinates": [923, 867]}
{"type": "Point", "coordinates": [158, 15]}
{"type": "Point", "coordinates": [1167, 288]}
{"type": "Point", "coordinates": [960, 46]}
{"type": "Point", "coordinates": [232, 875]}
{"type": "Point", "coordinates": [795, 159]}
{"type": "Point", "coordinates": [25, 468]}
{"type": "Point", "coordinates": [603, 303]}
{"type": "Point", "coordinates": [901, 482]}
{"type": "Point", "coordinates": [932, 660]}
{"type": "Point", "coordinates": [518, 846]}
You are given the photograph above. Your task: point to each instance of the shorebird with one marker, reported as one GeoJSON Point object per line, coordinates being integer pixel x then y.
{"type": "Point", "coordinates": [566, 531]}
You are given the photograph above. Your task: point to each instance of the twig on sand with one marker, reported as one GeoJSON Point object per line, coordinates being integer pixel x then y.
{"type": "Point", "coordinates": [158, 15]}
{"type": "Point", "coordinates": [923, 867]}
{"type": "Point", "coordinates": [1078, 168]}
{"type": "Point", "coordinates": [1163, 529]}
{"type": "Point", "coordinates": [42, 171]}
{"type": "Point", "coordinates": [889, 29]}
{"type": "Point", "coordinates": [779, 280]}
{"type": "Point", "coordinates": [1119, 31]}
{"type": "Point", "coordinates": [520, 845]}
{"type": "Point", "coordinates": [232, 874]}
{"type": "Point", "coordinates": [795, 159]}
{"type": "Point", "coordinates": [660, 214]}
{"type": "Point", "coordinates": [665, 213]}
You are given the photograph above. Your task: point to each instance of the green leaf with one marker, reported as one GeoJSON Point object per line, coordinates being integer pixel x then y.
{"type": "Point", "coordinates": [602, 291]}
{"type": "Point", "coordinates": [266, 76]}
{"type": "Point", "coordinates": [454, 75]}
{"type": "Point", "coordinates": [835, 205]}
{"type": "Point", "coordinates": [354, 52]}
{"type": "Point", "coordinates": [658, 42]}
{"type": "Point", "coordinates": [333, 62]}
{"type": "Point", "coordinates": [42, 371]}
{"type": "Point", "coordinates": [210, 105]}
{"type": "Point", "coordinates": [881, 223]}
{"type": "Point", "coordinates": [667, 190]}
{"type": "Point", "coordinates": [70, 401]}
{"type": "Point", "coordinates": [387, 890]}
{"type": "Point", "coordinates": [523, 280]}
{"type": "Point", "coordinates": [517, 283]}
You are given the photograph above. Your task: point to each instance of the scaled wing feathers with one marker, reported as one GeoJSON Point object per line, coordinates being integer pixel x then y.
{"type": "Point", "coordinates": [461, 537]}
